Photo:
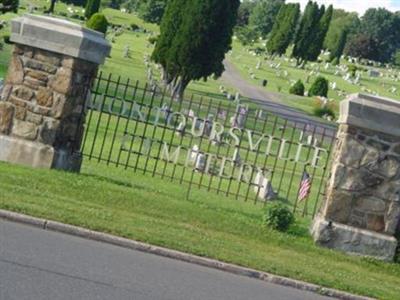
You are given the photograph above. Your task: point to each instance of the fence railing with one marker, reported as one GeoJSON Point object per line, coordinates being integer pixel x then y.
{"type": "Point", "coordinates": [231, 148]}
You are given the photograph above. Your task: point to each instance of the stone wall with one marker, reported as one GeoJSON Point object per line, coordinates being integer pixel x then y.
{"type": "Point", "coordinates": [361, 212]}
{"type": "Point", "coordinates": [52, 68]}
{"type": "Point", "coordinates": [44, 97]}
{"type": "Point", "coordinates": [366, 184]}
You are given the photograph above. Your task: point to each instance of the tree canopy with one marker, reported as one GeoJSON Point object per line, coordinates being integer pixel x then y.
{"type": "Point", "coordinates": [244, 12]}
{"type": "Point", "coordinates": [264, 14]}
{"type": "Point", "coordinates": [311, 34]}
{"type": "Point", "coordinates": [192, 44]}
{"type": "Point", "coordinates": [152, 11]}
{"type": "Point", "coordinates": [92, 7]}
{"type": "Point", "coordinates": [9, 6]}
{"type": "Point", "coordinates": [284, 29]}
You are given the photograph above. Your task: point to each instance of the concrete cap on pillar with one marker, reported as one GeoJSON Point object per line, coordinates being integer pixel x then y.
{"type": "Point", "coordinates": [371, 112]}
{"type": "Point", "coordinates": [60, 36]}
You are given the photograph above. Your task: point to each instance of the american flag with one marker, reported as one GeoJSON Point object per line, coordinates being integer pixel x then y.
{"type": "Point", "coordinates": [305, 186]}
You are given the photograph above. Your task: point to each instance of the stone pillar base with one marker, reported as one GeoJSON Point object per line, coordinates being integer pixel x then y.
{"type": "Point", "coordinates": [37, 155]}
{"type": "Point", "coordinates": [353, 240]}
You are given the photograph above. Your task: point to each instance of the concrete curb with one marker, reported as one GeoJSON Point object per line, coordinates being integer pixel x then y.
{"type": "Point", "coordinates": [211, 263]}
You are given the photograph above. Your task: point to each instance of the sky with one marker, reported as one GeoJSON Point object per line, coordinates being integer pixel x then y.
{"type": "Point", "coordinates": [359, 6]}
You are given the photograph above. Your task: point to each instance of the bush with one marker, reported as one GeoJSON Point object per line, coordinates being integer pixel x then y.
{"type": "Point", "coordinates": [98, 22]}
{"type": "Point", "coordinates": [353, 70]}
{"type": "Point", "coordinates": [134, 27]}
{"type": "Point", "coordinates": [6, 39]}
{"type": "Point", "coordinates": [297, 89]}
{"type": "Point", "coordinates": [319, 87]}
{"type": "Point", "coordinates": [152, 40]}
{"type": "Point", "coordinates": [279, 217]}
{"type": "Point", "coordinates": [324, 111]}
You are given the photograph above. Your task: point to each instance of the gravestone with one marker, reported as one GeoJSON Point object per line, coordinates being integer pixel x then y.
{"type": "Point", "coordinates": [361, 212]}
{"type": "Point", "coordinates": [53, 65]}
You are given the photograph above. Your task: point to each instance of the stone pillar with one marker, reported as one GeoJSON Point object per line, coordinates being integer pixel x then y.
{"type": "Point", "coordinates": [53, 65]}
{"type": "Point", "coordinates": [361, 211]}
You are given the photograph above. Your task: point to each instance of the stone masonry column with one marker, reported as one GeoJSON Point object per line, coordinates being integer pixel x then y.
{"type": "Point", "coordinates": [361, 211]}
{"type": "Point", "coordinates": [53, 65]}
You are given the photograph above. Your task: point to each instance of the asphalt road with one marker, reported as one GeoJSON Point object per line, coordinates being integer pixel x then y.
{"type": "Point", "coordinates": [270, 101]}
{"type": "Point", "coordinates": [38, 265]}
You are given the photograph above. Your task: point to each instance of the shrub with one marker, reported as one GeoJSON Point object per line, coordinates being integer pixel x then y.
{"type": "Point", "coordinates": [6, 39]}
{"type": "Point", "coordinates": [134, 27]}
{"type": "Point", "coordinates": [297, 89]}
{"type": "Point", "coordinates": [319, 87]}
{"type": "Point", "coordinates": [152, 40]}
{"type": "Point", "coordinates": [324, 108]}
{"type": "Point", "coordinates": [353, 70]}
{"type": "Point", "coordinates": [324, 111]}
{"type": "Point", "coordinates": [279, 217]}
{"type": "Point", "coordinates": [98, 22]}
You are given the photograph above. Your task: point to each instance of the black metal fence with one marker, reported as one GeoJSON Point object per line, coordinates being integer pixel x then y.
{"type": "Point", "coordinates": [235, 149]}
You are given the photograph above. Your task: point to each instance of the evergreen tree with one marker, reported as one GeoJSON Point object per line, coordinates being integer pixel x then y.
{"type": "Point", "coordinates": [92, 7]}
{"type": "Point", "coordinates": [312, 31]}
{"type": "Point", "coordinates": [264, 14]}
{"type": "Point", "coordinates": [193, 46]}
{"type": "Point", "coordinates": [304, 36]}
{"type": "Point", "coordinates": [244, 12]}
{"type": "Point", "coordinates": [9, 6]}
{"type": "Point", "coordinates": [320, 87]}
{"type": "Point", "coordinates": [338, 48]}
{"type": "Point", "coordinates": [170, 24]}
{"type": "Point", "coordinates": [52, 6]}
{"type": "Point", "coordinates": [284, 29]}
{"type": "Point", "coordinates": [319, 33]}
{"type": "Point", "coordinates": [152, 10]}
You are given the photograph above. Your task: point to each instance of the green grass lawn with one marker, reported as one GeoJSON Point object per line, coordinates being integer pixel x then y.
{"type": "Point", "coordinates": [138, 206]}
{"type": "Point", "coordinates": [134, 67]}
{"type": "Point", "coordinates": [156, 211]}
{"type": "Point", "coordinates": [246, 62]}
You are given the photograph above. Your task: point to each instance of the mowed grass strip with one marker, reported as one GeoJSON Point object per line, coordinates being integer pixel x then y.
{"type": "Point", "coordinates": [156, 211]}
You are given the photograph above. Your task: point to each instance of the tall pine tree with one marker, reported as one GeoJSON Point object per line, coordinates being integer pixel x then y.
{"type": "Point", "coordinates": [92, 7]}
{"type": "Point", "coordinates": [338, 48]}
{"type": "Point", "coordinates": [319, 33]}
{"type": "Point", "coordinates": [194, 46]}
{"type": "Point", "coordinates": [9, 6]}
{"type": "Point", "coordinates": [312, 31]}
{"type": "Point", "coordinates": [303, 36]}
{"type": "Point", "coordinates": [170, 25]}
{"type": "Point", "coordinates": [284, 29]}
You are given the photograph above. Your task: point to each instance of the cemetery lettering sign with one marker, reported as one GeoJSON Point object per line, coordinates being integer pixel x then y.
{"type": "Point", "coordinates": [228, 147]}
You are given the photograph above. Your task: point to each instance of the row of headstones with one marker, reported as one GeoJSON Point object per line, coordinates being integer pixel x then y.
{"type": "Point", "coordinates": [340, 70]}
